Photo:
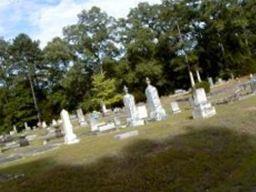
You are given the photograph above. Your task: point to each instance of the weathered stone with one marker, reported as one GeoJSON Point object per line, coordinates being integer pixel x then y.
{"type": "Point", "coordinates": [81, 118]}
{"type": "Point", "coordinates": [156, 111]}
{"type": "Point", "coordinates": [142, 111]}
{"type": "Point", "coordinates": [201, 107]}
{"type": "Point", "coordinates": [175, 107]}
{"type": "Point", "coordinates": [131, 109]}
{"type": "Point", "coordinates": [70, 137]}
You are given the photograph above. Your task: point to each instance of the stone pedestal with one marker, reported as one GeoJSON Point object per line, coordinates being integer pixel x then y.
{"type": "Point", "coordinates": [202, 108]}
{"type": "Point", "coordinates": [70, 137]}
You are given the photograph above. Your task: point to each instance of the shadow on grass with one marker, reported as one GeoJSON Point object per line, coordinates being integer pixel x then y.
{"type": "Point", "coordinates": [212, 159]}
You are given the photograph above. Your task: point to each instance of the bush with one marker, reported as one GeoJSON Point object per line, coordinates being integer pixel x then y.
{"type": "Point", "coordinates": [205, 85]}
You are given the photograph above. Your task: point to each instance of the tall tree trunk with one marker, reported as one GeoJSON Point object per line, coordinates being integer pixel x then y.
{"type": "Point", "coordinates": [34, 97]}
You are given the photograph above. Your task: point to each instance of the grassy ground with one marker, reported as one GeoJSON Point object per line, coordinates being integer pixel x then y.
{"type": "Point", "coordinates": [179, 154]}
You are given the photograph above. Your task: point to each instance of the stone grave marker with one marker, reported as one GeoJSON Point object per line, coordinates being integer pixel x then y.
{"type": "Point", "coordinates": [142, 111]}
{"type": "Point", "coordinates": [131, 109]}
{"type": "Point", "coordinates": [81, 118]}
{"type": "Point", "coordinates": [70, 137]}
{"type": "Point", "coordinates": [175, 107]}
{"type": "Point", "coordinates": [156, 111]}
{"type": "Point", "coordinates": [201, 107]}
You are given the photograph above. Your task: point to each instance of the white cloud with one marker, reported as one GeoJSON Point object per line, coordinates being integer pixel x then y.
{"type": "Point", "coordinates": [51, 19]}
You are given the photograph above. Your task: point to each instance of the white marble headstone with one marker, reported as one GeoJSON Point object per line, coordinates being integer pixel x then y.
{"type": "Point", "coordinates": [142, 111]}
{"type": "Point", "coordinates": [70, 137]}
{"type": "Point", "coordinates": [156, 111]}
{"type": "Point", "coordinates": [175, 107]}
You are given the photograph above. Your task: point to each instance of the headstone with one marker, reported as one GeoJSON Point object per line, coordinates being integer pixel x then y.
{"type": "Point", "coordinates": [142, 111]}
{"type": "Point", "coordinates": [12, 133]}
{"type": "Point", "coordinates": [210, 81]}
{"type": "Point", "coordinates": [70, 137]}
{"type": "Point", "coordinates": [54, 123]}
{"type": "Point", "coordinates": [106, 127]}
{"type": "Point", "coordinates": [104, 109]}
{"type": "Point", "coordinates": [156, 111]}
{"type": "Point", "coordinates": [27, 128]}
{"type": "Point", "coordinates": [131, 109]}
{"type": "Point", "coordinates": [81, 118]}
{"type": "Point", "coordinates": [127, 135]}
{"type": "Point", "coordinates": [220, 81]}
{"type": "Point", "coordinates": [175, 107]}
{"type": "Point", "coordinates": [93, 123]}
{"type": "Point", "coordinates": [44, 125]}
{"type": "Point", "coordinates": [202, 108]}
{"type": "Point", "coordinates": [15, 129]}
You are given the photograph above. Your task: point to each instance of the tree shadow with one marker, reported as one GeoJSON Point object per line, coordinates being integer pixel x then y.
{"type": "Point", "coordinates": [209, 159]}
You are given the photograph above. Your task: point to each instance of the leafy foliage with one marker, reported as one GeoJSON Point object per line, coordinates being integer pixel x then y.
{"type": "Point", "coordinates": [99, 54]}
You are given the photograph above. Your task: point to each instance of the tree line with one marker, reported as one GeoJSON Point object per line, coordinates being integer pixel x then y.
{"type": "Point", "coordinates": [99, 54]}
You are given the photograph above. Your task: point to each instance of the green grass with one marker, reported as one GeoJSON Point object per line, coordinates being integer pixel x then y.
{"type": "Point", "coordinates": [179, 154]}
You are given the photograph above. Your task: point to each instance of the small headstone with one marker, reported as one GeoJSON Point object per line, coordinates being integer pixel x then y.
{"type": "Point", "coordinates": [201, 107]}
{"type": "Point", "coordinates": [54, 123]}
{"type": "Point", "coordinates": [93, 123]}
{"type": "Point", "coordinates": [127, 135]}
{"type": "Point", "coordinates": [81, 118]}
{"type": "Point", "coordinates": [15, 129]}
{"type": "Point", "coordinates": [220, 81]}
{"type": "Point", "coordinates": [142, 110]}
{"type": "Point", "coordinates": [106, 127]}
{"type": "Point", "coordinates": [70, 137]}
{"type": "Point", "coordinates": [175, 107]}
{"type": "Point", "coordinates": [156, 111]}
{"type": "Point", "coordinates": [27, 128]}
{"type": "Point", "coordinates": [12, 133]}
{"type": "Point", "coordinates": [210, 81]}
{"type": "Point", "coordinates": [44, 125]}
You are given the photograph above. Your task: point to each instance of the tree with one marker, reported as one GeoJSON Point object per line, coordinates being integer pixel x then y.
{"type": "Point", "coordinates": [103, 91]}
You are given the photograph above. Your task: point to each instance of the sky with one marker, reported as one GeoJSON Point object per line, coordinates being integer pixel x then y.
{"type": "Point", "coordinates": [44, 19]}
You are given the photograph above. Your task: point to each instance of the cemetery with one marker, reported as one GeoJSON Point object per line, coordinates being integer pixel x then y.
{"type": "Point", "coordinates": [131, 96]}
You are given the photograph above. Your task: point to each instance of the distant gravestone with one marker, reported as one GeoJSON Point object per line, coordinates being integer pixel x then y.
{"type": "Point", "coordinates": [175, 107]}
{"type": "Point", "coordinates": [70, 137]}
{"type": "Point", "coordinates": [27, 128]}
{"type": "Point", "coordinates": [44, 125]}
{"type": "Point", "coordinates": [210, 81]}
{"type": "Point", "coordinates": [15, 129]}
{"type": "Point", "coordinates": [131, 109]}
{"type": "Point", "coordinates": [54, 123]}
{"type": "Point", "coordinates": [142, 111]}
{"type": "Point", "coordinates": [106, 127]}
{"type": "Point", "coordinates": [156, 111]}
{"type": "Point", "coordinates": [93, 121]}
{"type": "Point", "coordinates": [201, 107]}
{"type": "Point", "coordinates": [81, 118]}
